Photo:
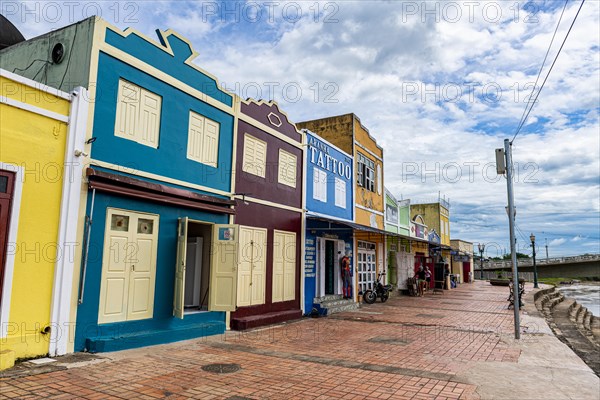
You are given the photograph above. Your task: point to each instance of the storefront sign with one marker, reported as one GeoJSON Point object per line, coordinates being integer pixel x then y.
{"type": "Point", "coordinates": [322, 157]}
{"type": "Point", "coordinates": [391, 214]}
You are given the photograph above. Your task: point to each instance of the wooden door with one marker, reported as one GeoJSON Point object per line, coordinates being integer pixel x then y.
{"type": "Point", "coordinates": [128, 266]}
{"type": "Point", "coordinates": [224, 268]}
{"type": "Point", "coordinates": [252, 266]}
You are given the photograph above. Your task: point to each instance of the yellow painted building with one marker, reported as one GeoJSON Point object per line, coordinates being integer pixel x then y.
{"type": "Point", "coordinates": [462, 260]}
{"type": "Point", "coordinates": [35, 131]}
{"type": "Point", "coordinates": [436, 216]}
{"type": "Point", "coordinates": [348, 133]}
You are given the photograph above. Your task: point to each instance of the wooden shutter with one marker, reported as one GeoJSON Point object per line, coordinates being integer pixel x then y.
{"type": "Point", "coordinates": [149, 119]}
{"type": "Point", "coordinates": [287, 168]}
{"type": "Point", "coordinates": [255, 156]}
{"type": "Point", "coordinates": [195, 137]}
{"type": "Point", "coordinates": [340, 192]}
{"type": "Point", "coordinates": [128, 110]}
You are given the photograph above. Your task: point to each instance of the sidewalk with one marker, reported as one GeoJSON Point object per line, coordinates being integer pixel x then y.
{"type": "Point", "coordinates": [458, 345]}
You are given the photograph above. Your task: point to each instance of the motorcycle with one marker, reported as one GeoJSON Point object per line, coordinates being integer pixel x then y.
{"type": "Point", "coordinates": [382, 291]}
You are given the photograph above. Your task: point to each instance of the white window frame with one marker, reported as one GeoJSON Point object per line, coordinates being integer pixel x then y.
{"type": "Point", "coordinates": [196, 151]}
{"type": "Point", "coordinates": [366, 172]}
{"type": "Point", "coordinates": [250, 163]}
{"type": "Point", "coordinates": [319, 185]}
{"type": "Point", "coordinates": [340, 192]}
{"type": "Point", "coordinates": [366, 266]}
{"type": "Point", "coordinates": [138, 132]}
{"type": "Point", "coordinates": [287, 168]}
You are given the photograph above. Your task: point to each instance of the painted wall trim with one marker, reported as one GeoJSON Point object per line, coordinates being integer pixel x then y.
{"type": "Point", "coordinates": [149, 175]}
{"type": "Point", "coordinates": [269, 130]}
{"type": "Point", "coordinates": [166, 47]}
{"type": "Point", "coordinates": [268, 203]}
{"type": "Point", "coordinates": [369, 209]}
{"type": "Point", "coordinates": [67, 232]}
{"type": "Point", "coordinates": [33, 84]}
{"type": "Point", "coordinates": [12, 238]}
{"type": "Point", "coordinates": [34, 109]}
{"type": "Point", "coordinates": [368, 151]}
{"type": "Point", "coordinates": [159, 74]}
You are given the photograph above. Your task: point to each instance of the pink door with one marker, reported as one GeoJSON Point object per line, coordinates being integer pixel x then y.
{"type": "Point", "coordinates": [466, 270]}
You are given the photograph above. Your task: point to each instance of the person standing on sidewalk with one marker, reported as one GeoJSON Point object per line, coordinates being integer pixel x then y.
{"type": "Point", "coordinates": [420, 276]}
{"type": "Point", "coordinates": [346, 276]}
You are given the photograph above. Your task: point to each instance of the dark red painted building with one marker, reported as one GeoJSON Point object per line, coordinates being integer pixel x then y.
{"type": "Point", "coordinates": [268, 187]}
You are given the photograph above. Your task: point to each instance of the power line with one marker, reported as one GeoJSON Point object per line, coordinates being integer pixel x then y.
{"type": "Point", "coordinates": [522, 121]}
{"type": "Point", "coordinates": [548, 74]}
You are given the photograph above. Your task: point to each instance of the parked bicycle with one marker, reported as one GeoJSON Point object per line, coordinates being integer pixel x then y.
{"type": "Point", "coordinates": [382, 291]}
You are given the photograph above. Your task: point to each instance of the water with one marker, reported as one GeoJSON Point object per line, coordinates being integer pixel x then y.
{"type": "Point", "coordinates": [586, 295]}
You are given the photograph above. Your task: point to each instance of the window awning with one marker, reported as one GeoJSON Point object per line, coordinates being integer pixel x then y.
{"type": "Point", "coordinates": [127, 186]}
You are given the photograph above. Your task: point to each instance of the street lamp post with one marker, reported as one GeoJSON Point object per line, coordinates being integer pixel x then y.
{"type": "Point", "coordinates": [535, 281]}
{"type": "Point", "coordinates": [481, 247]}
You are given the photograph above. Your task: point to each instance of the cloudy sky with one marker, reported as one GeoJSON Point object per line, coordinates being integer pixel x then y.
{"type": "Point", "coordinates": [440, 84]}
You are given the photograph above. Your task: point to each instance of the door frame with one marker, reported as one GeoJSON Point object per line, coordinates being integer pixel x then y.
{"type": "Point", "coordinates": [9, 262]}
{"type": "Point", "coordinates": [320, 266]}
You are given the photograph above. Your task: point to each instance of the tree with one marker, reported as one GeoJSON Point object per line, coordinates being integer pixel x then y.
{"type": "Point", "coordinates": [519, 256]}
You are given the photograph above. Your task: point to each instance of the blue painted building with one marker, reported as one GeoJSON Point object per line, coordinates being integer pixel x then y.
{"type": "Point", "coordinates": [329, 223]}
{"type": "Point", "coordinates": [160, 183]}
{"type": "Point", "coordinates": [156, 250]}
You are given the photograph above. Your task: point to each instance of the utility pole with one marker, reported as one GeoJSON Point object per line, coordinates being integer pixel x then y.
{"type": "Point", "coordinates": [504, 165]}
{"type": "Point", "coordinates": [546, 248]}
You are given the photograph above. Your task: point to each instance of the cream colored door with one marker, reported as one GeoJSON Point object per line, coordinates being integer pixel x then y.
{"type": "Point", "coordinates": [289, 271]}
{"type": "Point", "coordinates": [179, 290]}
{"type": "Point", "coordinates": [244, 293]}
{"type": "Point", "coordinates": [284, 266]}
{"type": "Point", "coordinates": [259, 266]}
{"type": "Point", "coordinates": [128, 266]}
{"type": "Point", "coordinates": [143, 267]}
{"type": "Point", "coordinates": [223, 268]}
{"type": "Point", "coordinates": [252, 266]}
{"type": "Point", "coordinates": [278, 266]}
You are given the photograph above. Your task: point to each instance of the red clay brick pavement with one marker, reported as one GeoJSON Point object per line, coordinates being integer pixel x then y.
{"type": "Point", "coordinates": [407, 348]}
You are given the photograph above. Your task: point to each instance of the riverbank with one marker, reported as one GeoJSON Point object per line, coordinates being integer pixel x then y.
{"type": "Point", "coordinates": [572, 324]}
{"type": "Point", "coordinates": [585, 293]}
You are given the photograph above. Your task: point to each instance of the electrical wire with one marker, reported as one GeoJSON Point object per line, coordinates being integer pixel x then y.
{"type": "Point", "coordinates": [549, 71]}
{"type": "Point", "coordinates": [522, 121]}
{"type": "Point", "coordinates": [29, 66]}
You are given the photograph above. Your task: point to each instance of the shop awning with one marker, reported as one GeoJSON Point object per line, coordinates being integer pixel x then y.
{"type": "Point", "coordinates": [127, 186]}
{"type": "Point", "coordinates": [355, 226]}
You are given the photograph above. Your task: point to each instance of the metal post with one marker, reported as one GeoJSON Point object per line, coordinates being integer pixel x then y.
{"type": "Point", "coordinates": [511, 226]}
{"type": "Point", "coordinates": [535, 281]}
{"type": "Point", "coordinates": [546, 249]}
{"type": "Point", "coordinates": [481, 261]}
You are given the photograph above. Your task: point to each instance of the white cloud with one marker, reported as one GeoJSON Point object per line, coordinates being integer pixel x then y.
{"type": "Point", "coordinates": [396, 67]}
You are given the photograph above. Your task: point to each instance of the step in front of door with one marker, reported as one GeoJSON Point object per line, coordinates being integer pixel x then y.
{"type": "Point", "coordinates": [253, 321]}
{"type": "Point", "coordinates": [100, 344]}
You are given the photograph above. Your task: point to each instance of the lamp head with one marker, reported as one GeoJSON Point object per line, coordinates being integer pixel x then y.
{"type": "Point", "coordinates": [532, 238]}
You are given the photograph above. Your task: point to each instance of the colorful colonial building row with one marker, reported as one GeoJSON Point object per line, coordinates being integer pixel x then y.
{"type": "Point", "coordinates": [142, 204]}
